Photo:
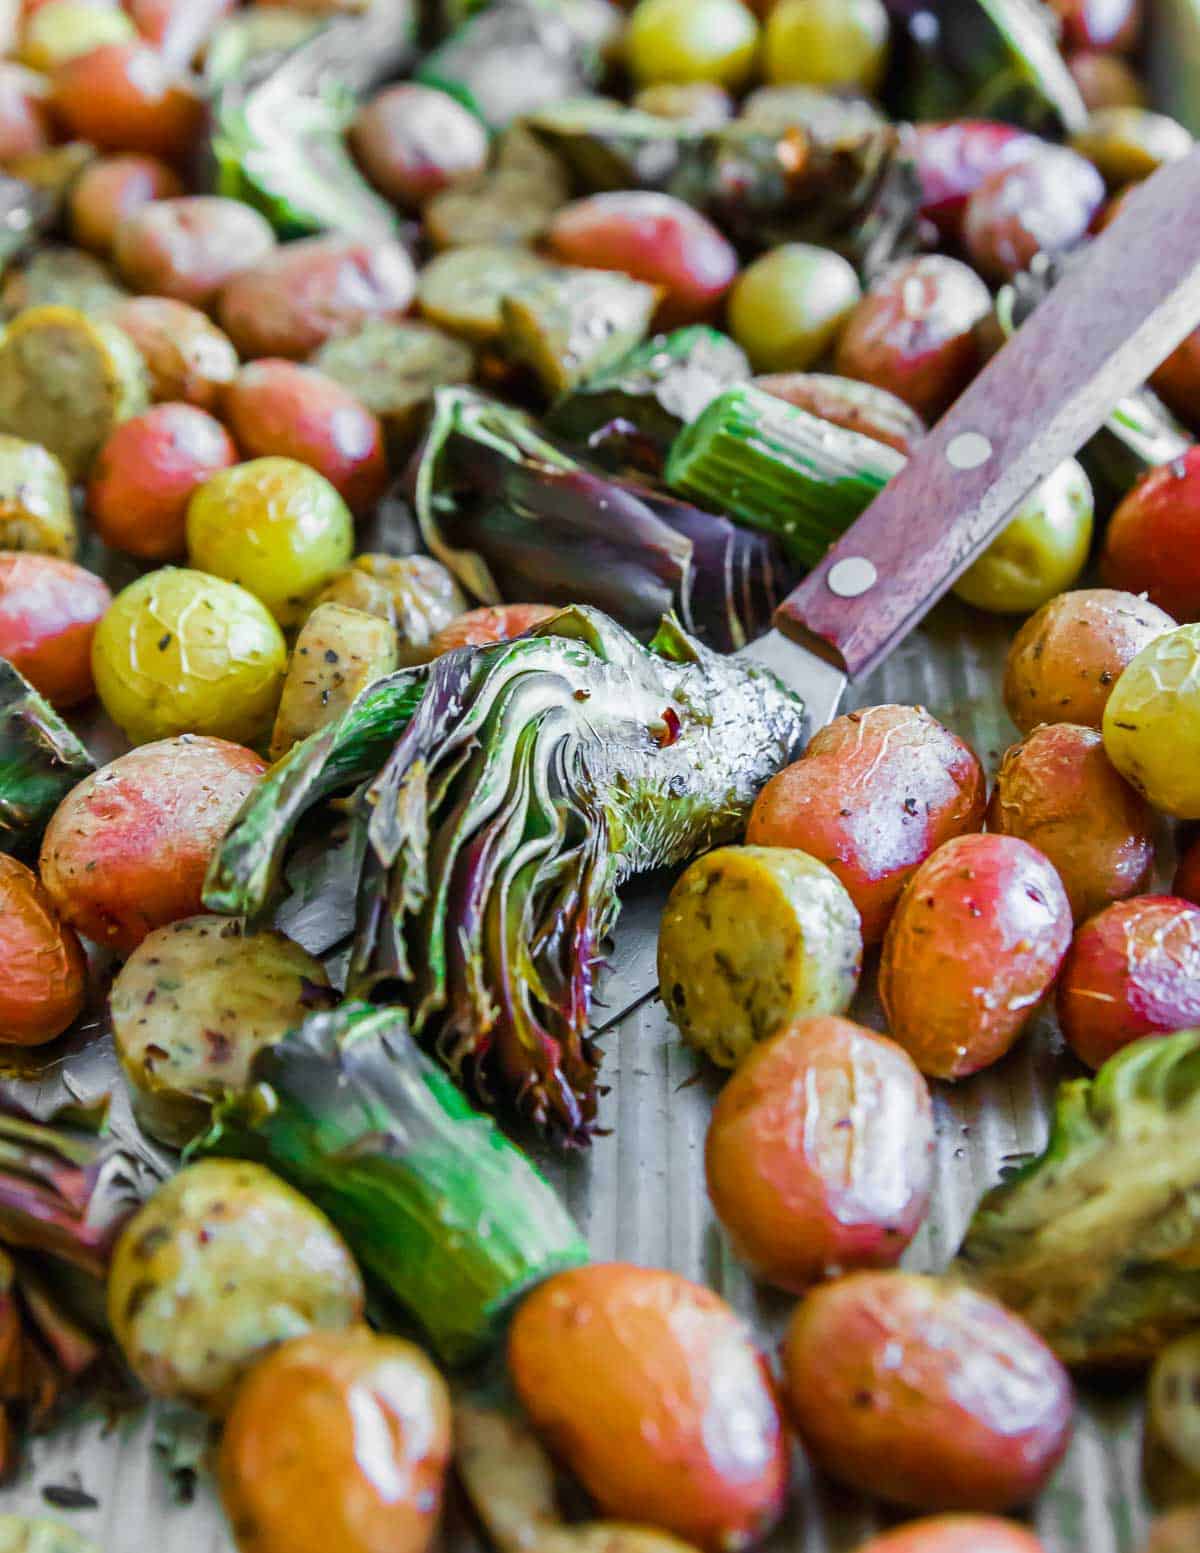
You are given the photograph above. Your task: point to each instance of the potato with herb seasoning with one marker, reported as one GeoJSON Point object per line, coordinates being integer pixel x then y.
{"type": "Point", "coordinates": [60, 277]}
{"type": "Point", "coordinates": [1041, 551]}
{"type": "Point", "coordinates": [1152, 722]}
{"type": "Point", "coordinates": [35, 500]}
{"type": "Point", "coordinates": [462, 289]}
{"type": "Point", "coordinates": [191, 1008]}
{"type": "Point", "coordinates": [752, 938]}
{"type": "Point", "coordinates": [43, 973]}
{"type": "Point", "coordinates": [787, 309]}
{"type": "Point", "coordinates": [338, 652]}
{"type": "Point", "coordinates": [187, 248]}
{"type": "Point", "coordinates": [415, 594]}
{"type": "Point", "coordinates": [187, 357]}
{"type": "Point", "coordinates": [491, 623]}
{"type": "Point", "coordinates": [49, 610]}
{"type": "Point", "coordinates": [223, 1264]}
{"type": "Point", "coordinates": [111, 190]}
{"type": "Point", "coordinates": [394, 368]}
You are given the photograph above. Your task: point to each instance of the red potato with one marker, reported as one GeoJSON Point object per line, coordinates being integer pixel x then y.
{"type": "Point", "coordinates": [650, 1390]}
{"type": "Point", "coordinates": [492, 623]}
{"type": "Point", "coordinates": [188, 248]}
{"type": "Point", "coordinates": [974, 946]}
{"type": "Point", "coordinates": [304, 293]}
{"type": "Point", "coordinates": [49, 610]}
{"type": "Point", "coordinates": [188, 359]}
{"type": "Point", "coordinates": [914, 332]}
{"type": "Point", "coordinates": [179, 29]}
{"type": "Point", "coordinates": [956, 1534]}
{"type": "Point", "coordinates": [43, 973]}
{"type": "Point", "coordinates": [1067, 657]}
{"type": "Point", "coordinates": [924, 1392]}
{"type": "Point", "coordinates": [413, 141]}
{"type": "Point", "coordinates": [1058, 790]}
{"type": "Point", "coordinates": [857, 406]}
{"type": "Point", "coordinates": [127, 850]}
{"type": "Point", "coordinates": [145, 474]}
{"type": "Point", "coordinates": [955, 157]}
{"type": "Point", "coordinates": [1178, 379]}
{"type": "Point", "coordinates": [111, 190]}
{"type": "Point", "coordinates": [1106, 81]}
{"type": "Point", "coordinates": [278, 407]}
{"type": "Point", "coordinates": [1134, 970]}
{"type": "Point", "coordinates": [123, 97]}
{"type": "Point", "coordinates": [655, 238]}
{"type": "Point", "coordinates": [1153, 541]}
{"type": "Point", "coordinates": [1100, 24]}
{"type": "Point", "coordinates": [25, 126]}
{"type": "Point", "coordinates": [876, 793]}
{"type": "Point", "coordinates": [1045, 204]}
{"type": "Point", "coordinates": [820, 1153]}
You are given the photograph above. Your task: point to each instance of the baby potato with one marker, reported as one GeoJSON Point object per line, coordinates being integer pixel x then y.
{"type": "Point", "coordinates": [274, 526]}
{"type": "Point", "coordinates": [49, 609]}
{"type": "Point", "coordinates": [1045, 203]}
{"type": "Point", "coordinates": [25, 127]}
{"type": "Point", "coordinates": [1106, 81]}
{"type": "Point", "coordinates": [975, 944]}
{"type": "Point", "coordinates": [955, 156]}
{"type": "Point", "coordinates": [923, 1392]}
{"type": "Point", "coordinates": [22, 1534]}
{"type": "Point", "coordinates": [787, 309]}
{"type": "Point", "coordinates": [492, 623]}
{"type": "Point", "coordinates": [293, 1473]}
{"type": "Point", "coordinates": [43, 974]}
{"type": "Point", "coordinates": [413, 141]}
{"type": "Point", "coordinates": [1175, 1533]}
{"type": "Point", "coordinates": [876, 793]}
{"type": "Point", "coordinates": [655, 238]}
{"type": "Point", "coordinates": [649, 1389]}
{"type": "Point", "coordinates": [125, 97]}
{"type": "Point", "coordinates": [415, 594]}
{"type": "Point", "coordinates": [60, 277]}
{"type": "Point", "coordinates": [1152, 545]}
{"type": "Point", "coordinates": [1041, 552]}
{"type": "Point", "coordinates": [691, 40]}
{"type": "Point", "coordinates": [1133, 970]}
{"type": "Point", "coordinates": [293, 300]}
{"type": "Point", "coordinates": [127, 850]}
{"type": "Point", "coordinates": [63, 29]}
{"type": "Point", "coordinates": [193, 1006]}
{"type": "Point", "coordinates": [188, 360]}
{"type": "Point", "coordinates": [848, 402]}
{"type": "Point", "coordinates": [110, 190]}
{"type": "Point", "coordinates": [1067, 656]}
{"type": "Point", "coordinates": [1058, 790]}
{"type": "Point", "coordinates": [281, 408]}
{"type": "Point", "coordinates": [956, 1534]}
{"type": "Point", "coordinates": [187, 248]}
{"type": "Point", "coordinates": [35, 500]}
{"type": "Point", "coordinates": [182, 652]}
{"type": "Point", "coordinates": [914, 332]}
{"type": "Point", "coordinates": [1152, 722]}
{"type": "Point", "coordinates": [1126, 145]}
{"type": "Point", "coordinates": [338, 653]}
{"type": "Point", "coordinates": [1100, 24]}
{"type": "Point", "coordinates": [836, 44]}
{"type": "Point", "coordinates": [145, 474]}
{"type": "Point", "coordinates": [820, 1153]}
{"type": "Point", "coordinates": [701, 104]}
{"type": "Point", "coordinates": [224, 1263]}
{"type": "Point", "coordinates": [751, 939]}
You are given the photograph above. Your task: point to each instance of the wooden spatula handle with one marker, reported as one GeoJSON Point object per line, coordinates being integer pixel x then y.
{"type": "Point", "coordinates": [1100, 334]}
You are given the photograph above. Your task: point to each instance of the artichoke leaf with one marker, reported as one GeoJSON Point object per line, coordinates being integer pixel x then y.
{"type": "Point", "coordinates": [40, 761]}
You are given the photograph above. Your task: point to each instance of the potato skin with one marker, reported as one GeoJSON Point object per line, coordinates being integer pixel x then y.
{"type": "Point", "coordinates": [123, 97]}
{"type": "Point", "coordinates": [49, 609]}
{"type": "Point", "coordinates": [1133, 970]}
{"type": "Point", "coordinates": [188, 248]}
{"type": "Point", "coordinates": [1058, 790]}
{"type": "Point", "coordinates": [112, 189]}
{"type": "Point", "coordinates": [413, 141]}
{"type": "Point", "coordinates": [299, 296]}
{"type": "Point", "coordinates": [145, 474]}
{"type": "Point", "coordinates": [849, 402]}
{"type": "Point", "coordinates": [415, 594]}
{"type": "Point", "coordinates": [492, 623]}
{"type": "Point", "coordinates": [1178, 1532]}
{"type": "Point", "coordinates": [1152, 722]}
{"type": "Point", "coordinates": [279, 407]}
{"type": "Point", "coordinates": [925, 1392]}
{"type": "Point", "coordinates": [127, 850]}
{"type": "Point", "coordinates": [43, 973]}
{"type": "Point", "coordinates": [293, 1474]}
{"type": "Point", "coordinates": [819, 1155]}
{"type": "Point", "coordinates": [35, 500]}
{"type": "Point", "coordinates": [956, 1534]}
{"type": "Point", "coordinates": [188, 359]}
{"type": "Point", "coordinates": [1153, 541]}
{"type": "Point", "coordinates": [953, 159]}
{"type": "Point", "coordinates": [876, 793]}
{"type": "Point", "coordinates": [24, 121]}
{"type": "Point", "coordinates": [975, 944]}
{"type": "Point", "coordinates": [1043, 204]}
{"type": "Point", "coordinates": [222, 1264]}
{"type": "Point", "coordinates": [338, 653]}
{"type": "Point", "coordinates": [1067, 657]}
{"type": "Point", "coordinates": [629, 1373]}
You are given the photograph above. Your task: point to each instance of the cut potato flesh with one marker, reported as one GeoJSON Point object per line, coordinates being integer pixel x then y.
{"type": "Point", "coordinates": [339, 652]}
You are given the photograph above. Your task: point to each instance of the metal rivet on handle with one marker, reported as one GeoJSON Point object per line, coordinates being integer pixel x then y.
{"type": "Point", "coordinates": [969, 450]}
{"type": "Point", "coordinates": [851, 578]}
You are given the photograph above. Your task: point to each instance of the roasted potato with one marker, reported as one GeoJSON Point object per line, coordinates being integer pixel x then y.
{"type": "Point", "coordinates": [413, 142]}
{"type": "Point", "coordinates": [1058, 790]}
{"type": "Point", "coordinates": [35, 500]}
{"type": "Point", "coordinates": [787, 309]}
{"type": "Point", "coordinates": [462, 290]}
{"type": "Point", "coordinates": [183, 652]}
{"type": "Point", "coordinates": [187, 248]}
{"type": "Point", "coordinates": [49, 609]}
{"type": "Point", "coordinates": [145, 474]}
{"type": "Point", "coordinates": [819, 1156]}
{"type": "Point", "coordinates": [280, 408]}
{"type": "Point", "coordinates": [1171, 1448]}
{"type": "Point", "coordinates": [876, 793]}
{"type": "Point", "coordinates": [628, 1374]}
{"type": "Point", "coordinates": [1042, 550]}
{"type": "Point", "coordinates": [751, 939]}
{"type": "Point", "coordinates": [125, 97]}
{"type": "Point", "coordinates": [224, 1263]}
{"type": "Point", "coordinates": [112, 189]}
{"type": "Point", "coordinates": [681, 41]}
{"type": "Point", "coordinates": [43, 974]}
{"type": "Point", "coordinates": [127, 850]}
{"type": "Point", "coordinates": [1133, 970]}
{"type": "Point", "coordinates": [1106, 81]}
{"type": "Point", "coordinates": [338, 652]}
{"type": "Point", "coordinates": [905, 1388]}
{"type": "Point", "coordinates": [1045, 203]}
{"type": "Point", "coordinates": [1126, 145]}
{"type": "Point", "coordinates": [187, 358]}
{"type": "Point", "coordinates": [60, 277]}
{"type": "Point", "coordinates": [293, 1474]}
{"type": "Point", "coordinates": [1100, 24]}
{"type": "Point", "coordinates": [858, 406]}
{"type": "Point", "coordinates": [1152, 544]}
{"type": "Point", "coordinates": [25, 127]}
{"type": "Point", "coordinates": [956, 1534]}
{"type": "Point", "coordinates": [975, 944]}
{"type": "Point", "coordinates": [64, 29]}
{"type": "Point", "coordinates": [1175, 1533]}
{"type": "Point", "coordinates": [414, 593]}
{"type": "Point", "coordinates": [191, 1008]}
{"type": "Point", "coordinates": [492, 623]}
{"type": "Point", "coordinates": [1152, 722]}
{"type": "Point", "coordinates": [955, 156]}
{"type": "Point", "coordinates": [394, 369]}
{"type": "Point", "coordinates": [1067, 657]}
